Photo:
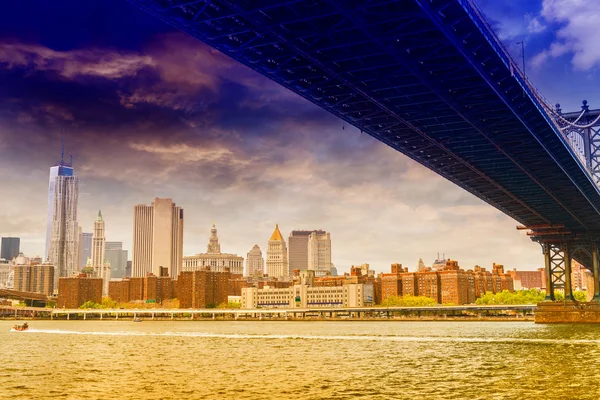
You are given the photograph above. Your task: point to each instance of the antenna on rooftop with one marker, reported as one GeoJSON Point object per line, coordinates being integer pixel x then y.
{"type": "Point", "coordinates": [62, 153]}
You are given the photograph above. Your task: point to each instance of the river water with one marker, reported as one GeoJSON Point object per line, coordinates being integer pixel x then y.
{"type": "Point", "coordinates": [299, 360]}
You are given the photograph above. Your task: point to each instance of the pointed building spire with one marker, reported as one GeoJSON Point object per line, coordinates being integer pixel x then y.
{"type": "Point", "coordinates": [99, 215]}
{"type": "Point", "coordinates": [276, 234]}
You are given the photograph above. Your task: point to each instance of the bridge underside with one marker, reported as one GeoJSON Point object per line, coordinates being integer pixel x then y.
{"type": "Point", "coordinates": [428, 78]}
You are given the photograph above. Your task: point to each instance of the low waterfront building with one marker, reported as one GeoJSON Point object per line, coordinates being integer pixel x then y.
{"type": "Point", "coordinates": [202, 288]}
{"type": "Point", "coordinates": [304, 294]}
{"type": "Point", "coordinates": [214, 259]}
{"type": "Point", "coordinates": [74, 291]}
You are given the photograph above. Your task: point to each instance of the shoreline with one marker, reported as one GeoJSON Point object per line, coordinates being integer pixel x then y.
{"type": "Point", "coordinates": [407, 319]}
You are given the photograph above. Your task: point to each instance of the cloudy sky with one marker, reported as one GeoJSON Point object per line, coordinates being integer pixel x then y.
{"type": "Point", "coordinates": [149, 112]}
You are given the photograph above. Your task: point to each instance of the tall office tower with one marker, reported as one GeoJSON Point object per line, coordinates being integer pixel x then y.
{"type": "Point", "coordinates": [10, 247]}
{"type": "Point", "coordinates": [117, 257]}
{"type": "Point", "coordinates": [255, 263]}
{"type": "Point", "coordinates": [157, 238]}
{"type": "Point", "coordinates": [85, 248]}
{"type": "Point", "coordinates": [319, 253]}
{"type": "Point", "coordinates": [299, 249]}
{"type": "Point", "coordinates": [277, 261]}
{"type": "Point", "coordinates": [62, 169]}
{"type": "Point", "coordinates": [99, 263]}
{"type": "Point", "coordinates": [63, 193]}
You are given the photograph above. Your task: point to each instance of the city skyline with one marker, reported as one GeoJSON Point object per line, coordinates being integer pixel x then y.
{"type": "Point", "coordinates": [269, 158]}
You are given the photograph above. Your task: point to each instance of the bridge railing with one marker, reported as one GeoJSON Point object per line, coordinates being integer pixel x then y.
{"type": "Point", "coordinates": [581, 132]}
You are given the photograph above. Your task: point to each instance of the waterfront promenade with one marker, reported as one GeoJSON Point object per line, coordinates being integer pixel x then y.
{"type": "Point", "coordinates": [365, 313]}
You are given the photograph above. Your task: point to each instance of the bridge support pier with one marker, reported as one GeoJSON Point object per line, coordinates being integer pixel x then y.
{"type": "Point", "coordinates": [557, 263]}
{"type": "Point", "coordinates": [596, 272]}
{"type": "Point", "coordinates": [567, 269]}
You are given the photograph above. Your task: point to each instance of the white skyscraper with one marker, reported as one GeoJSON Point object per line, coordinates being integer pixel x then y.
{"type": "Point", "coordinates": [157, 238]}
{"type": "Point", "coordinates": [255, 263]}
{"type": "Point", "coordinates": [100, 265]}
{"type": "Point", "coordinates": [64, 238]}
{"type": "Point", "coordinates": [277, 257]}
{"type": "Point", "coordinates": [319, 253]}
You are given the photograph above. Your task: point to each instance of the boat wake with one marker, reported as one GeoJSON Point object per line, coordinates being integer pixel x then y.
{"type": "Point", "coordinates": [376, 338]}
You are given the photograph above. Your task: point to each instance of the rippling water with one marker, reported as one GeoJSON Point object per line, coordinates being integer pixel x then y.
{"type": "Point", "coordinates": [299, 360]}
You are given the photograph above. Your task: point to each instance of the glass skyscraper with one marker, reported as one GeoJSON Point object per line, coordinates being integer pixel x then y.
{"type": "Point", "coordinates": [61, 169]}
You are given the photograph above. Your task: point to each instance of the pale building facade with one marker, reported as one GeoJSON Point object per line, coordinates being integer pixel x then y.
{"type": "Point", "coordinates": [304, 295]}
{"type": "Point", "coordinates": [319, 253]}
{"type": "Point", "coordinates": [214, 259]}
{"type": "Point", "coordinates": [99, 264]}
{"type": "Point", "coordinates": [64, 242]}
{"type": "Point", "coordinates": [277, 261]}
{"type": "Point", "coordinates": [85, 247]}
{"type": "Point", "coordinates": [6, 267]}
{"type": "Point", "coordinates": [38, 278]}
{"type": "Point", "coordinates": [298, 250]}
{"type": "Point", "coordinates": [117, 258]}
{"type": "Point", "coordinates": [62, 169]}
{"type": "Point", "coordinates": [255, 263]}
{"type": "Point", "coordinates": [157, 238]}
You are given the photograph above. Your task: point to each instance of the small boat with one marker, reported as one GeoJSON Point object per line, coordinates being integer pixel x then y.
{"type": "Point", "coordinates": [137, 320]}
{"type": "Point", "coordinates": [21, 328]}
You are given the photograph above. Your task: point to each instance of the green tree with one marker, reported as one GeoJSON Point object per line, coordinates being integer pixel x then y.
{"type": "Point", "coordinates": [408, 301]}
{"type": "Point", "coordinates": [230, 305]}
{"type": "Point", "coordinates": [527, 296]}
{"type": "Point", "coordinates": [107, 302]}
{"type": "Point", "coordinates": [90, 304]}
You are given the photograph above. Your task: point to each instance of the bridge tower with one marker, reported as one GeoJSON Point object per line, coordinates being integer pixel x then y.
{"type": "Point", "coordinates": [559, 248]}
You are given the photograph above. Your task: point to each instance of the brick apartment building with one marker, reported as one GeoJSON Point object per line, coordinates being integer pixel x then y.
{"type": "Point", "coordinates": [448, 285]}
{"type": "Point", "coordinates": [202, 288]}
{"type": "Point", "coordinates": [76, 290]}
{"type": "Point", "coordinates": [149, 287]}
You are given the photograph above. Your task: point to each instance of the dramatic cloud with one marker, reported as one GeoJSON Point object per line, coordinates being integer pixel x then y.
{"type": "Point", "coordinates": [174, 118]}
{"type": "Point", "coordinates": [577, 32]}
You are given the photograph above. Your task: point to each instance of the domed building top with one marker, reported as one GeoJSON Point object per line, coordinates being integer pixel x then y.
{"type": "Point", "coordinates": [276, 234]}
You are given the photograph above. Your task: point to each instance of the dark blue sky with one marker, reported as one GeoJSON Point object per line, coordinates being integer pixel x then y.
{"type": "Point", "coordinates": [148, 111]}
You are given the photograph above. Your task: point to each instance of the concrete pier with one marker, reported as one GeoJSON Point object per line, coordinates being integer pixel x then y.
{"type": "Point", "coordinates": [563, 312]}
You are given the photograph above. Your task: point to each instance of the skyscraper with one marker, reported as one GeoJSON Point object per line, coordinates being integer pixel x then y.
{"type": "Point", "coordinates": [62, 169]}
{"type": "Point", "coordinates": [157, 238]}
{"type": "Point", "coordinates": [298, 256]}
{"type": "Point", "coordinates": [277, 261]}
{"type": "Point", "coordinates": [10, 247]}
{"type": "Point", "coordinates": [100, 265]}
{"type": "Point", "coordinates": [319, 253]}
{"type": "Point", "coordinates": [255, 263]}
{"type": "Point", "coordinates": [85, 248]}
{"type": "Point", "coordinates": [310, 250]}
{"type": "Point", "coordinates": [62, 236]}
{"type": "Point", "coordinates": [117, 258]}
